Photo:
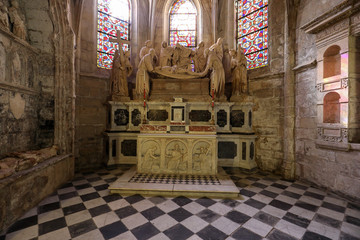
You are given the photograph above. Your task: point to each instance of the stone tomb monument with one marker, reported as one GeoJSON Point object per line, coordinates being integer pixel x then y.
{"type": "Point", "coordinates": [179, 121]}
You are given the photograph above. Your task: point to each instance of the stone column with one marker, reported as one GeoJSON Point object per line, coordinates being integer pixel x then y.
{"type": "Point", "coordinates": [288, 168]}
{"type": "Point", "coordinates": [64, 43]}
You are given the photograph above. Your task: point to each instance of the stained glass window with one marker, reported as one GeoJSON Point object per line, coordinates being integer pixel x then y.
{"type": "Point", "coordinates": [183, 15]}
{"type": "Point", "coordinates": [252, 30]}
{"type": "Point", "coordinates": [113, 15]}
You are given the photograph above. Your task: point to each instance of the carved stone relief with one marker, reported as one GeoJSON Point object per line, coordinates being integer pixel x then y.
{"type": "Point", "coordinates": [17, 105]}
{"type": "Point", "coordinates": [201, 154]}
{"type": "Point", "coordinates": [176, 152]}
{"type": "Point", "coordinates": [16, 69]}
{"type": "Point", "coordinates": [150, 153]}
{"type": "Point", "coordinates": [121, 117]}
{"type": "Point", "coordinates": [2, 62]}
{"type": "Point", "coordinates": [136, 117]}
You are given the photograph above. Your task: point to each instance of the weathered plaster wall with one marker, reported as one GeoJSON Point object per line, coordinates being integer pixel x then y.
{"type": "Point", "coordinates": [336, 170]}
{"type": "Point", "coordinates": [27, 82]}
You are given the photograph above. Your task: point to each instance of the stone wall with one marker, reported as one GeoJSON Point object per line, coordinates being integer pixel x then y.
{"type": "Point", "coordinates": [336, 170]}
{"type": "Point", "coordinates": [27, 82]}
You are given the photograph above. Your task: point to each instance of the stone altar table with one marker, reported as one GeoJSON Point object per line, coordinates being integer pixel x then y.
{"type": "Point", "coordinates": [185, 153]}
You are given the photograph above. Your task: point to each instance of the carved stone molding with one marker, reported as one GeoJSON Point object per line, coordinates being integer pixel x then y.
{"type": "Point", "coordinates": [329, 138]}
{"type": "Point", "coordinates": [319, 87]}
{"type": "Point", "coordinates": [344, 83]}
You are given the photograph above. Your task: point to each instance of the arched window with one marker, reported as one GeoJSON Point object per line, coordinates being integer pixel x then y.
{"type": "Point", "coordinates": [183, 21]}
{"type": "Point", "coordinates": [331, 108]}
{"type": "Point", "coordinates": [332, 61]}
{"type": "Point", "coordinates": [113, 15]}
{"type": "Point", "coordinates": [252, 31]}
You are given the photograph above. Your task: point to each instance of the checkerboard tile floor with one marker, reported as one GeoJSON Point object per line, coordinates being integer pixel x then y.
{"type": "Point", "coordinates": [175, 179]}
{"type": "Point", "coordinates": [270, 209]}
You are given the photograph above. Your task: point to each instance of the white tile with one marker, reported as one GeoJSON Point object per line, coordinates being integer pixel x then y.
{"type": "Point", "coordinates": [336, 201]}
{"type": "Point", "coordinates": [295, 190]}
{"type": "Point", "coordinates": [92, 235]}
{"type": "Point", "coordinates": [258, 227]}
{"type": "Point", "coordinates": [253, 189]}
{"type": "Point", "coordinates": [104, 193]}
{"type": "Point", "coordinates": [50, 199]}
{"type": "Point", "coordinates": [220, 208]}
{"type": "Point", "coordinates": [194, 237]}
{"type": "Point", "coordinates": [26, 233]}
{"type": "Point", "coordinates": [330, 213]}
{"type": "Point", "coordinates": [134, 221]}
{"type": "Point", "coordinates": [80, 182]}
{"type": "Point", "coordinates": [164, 222]}
{"type": "Point", "coordinates": [350, 229]}
{"type": "Point", "coordinates": [70, 201]}
{"type": "Point", "coordinates": [315, 190]}
{"type": "Point", "coordinates": [94, 203]}
{"type": "Point", "coordinates": [262, 198]}
{"type": "Point", "coordinates": [225, 225]}
{"type": "Point", "coordinates": [302, 212]}
{"type": "Point", "coordinates": [98, 183]}
{"type": "Point", "coordinates": [291, 229]}
{"type": "Point", "coordinates": [60, 234]}
{"type": "Point", "coordinates": [51, 215]}
{"type": "Point", "coordinates": [311, 200]}
{"type": "Point", "coordinates": [286, 199]}
{"type": "Point", "coordinates": [159, 236]}
{"type": "Point", "coordinates": [115, 205]}
{"type": "Point", "coordinates": [168, 206]}
{"type": "Point", "coordinates": [284, 182]}
{"type": "Point", "coordinates": [194, 223]}
{"type": "Point", "coordinates": [266, 182]}
{"type": "Point", "coordinates": [124, 236]}
{"type": "Point", "coordinates": [143, 205]}
{"type": "Point", "coordinates": [86, 191]}
{"type": "Point", "coordinates": [274, 189]}
{"type": "Point", "coordinates": [77, 217]}
{"type": "Point", "coordinates": [30, 213]}
{"type": "Point", "coordinates": [274, 211]}
{"type": "Point", "coordinates": [66, 190]}
{"type": "Point", "coordinates": [246, 209]}
{"type": "Point", "coordinates": [106, 219]}
{"type": "Point", "coordinates": [352, 212]}
{"type": "Point", "coordinates": [324, 230]}
{"type": "Point", "coordinates": [194, 207]}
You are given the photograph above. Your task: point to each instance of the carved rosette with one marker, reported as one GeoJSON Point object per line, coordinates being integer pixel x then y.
{"type": "Point", "coordinates": [319, 87]}
{"type": "Point", "coordinates": [344, 83]}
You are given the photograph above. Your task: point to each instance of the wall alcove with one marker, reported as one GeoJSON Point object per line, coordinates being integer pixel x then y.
{"type": "Point", "coordinates": [331, 108]}
{"type": "Point", "coordinates": [332, 62]}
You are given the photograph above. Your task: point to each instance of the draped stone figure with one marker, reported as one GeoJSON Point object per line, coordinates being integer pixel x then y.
{"type": "Point", "coordinates": [121, 70]}
{"type": "Point", "coordinates": [181, 58]}
{"type": "Point", "coordinates": [4, 18]}
{"type": "Point", "coordinates": [239, 73]}
{"type": "Point", "coordinates": [199, 58]}
{"type": "Point", "coordinates": [218, 48]}
{"type": "Point", "coordinates": [166, 53]}
{"type": "Point", "coordinates": [146, 65]}
{"type": "Point", "coordinates": [17, 19]}
{"type": "Point", "coordinates": [217, 76]}
{"type": "Point", "coordinates": [146, 49]}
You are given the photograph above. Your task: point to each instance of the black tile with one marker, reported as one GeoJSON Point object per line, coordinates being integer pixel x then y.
{"type": "Point", "coordinates": [327, 221]}
{"type": "Point", "coordinates": [354, 206]}
{"type": "Point", "coordinates": [68, 195]}
{"type": "Point", "coordinates": [81, 228]}
{"type": "Point", "coordinates": [112, 197]}
{"type": "Point", "coordinates": [252, 179]}
{"type": "Point", "coordinates": [247, 193]}
{"type": "Point", "coordinates": [134, 198]}
{"type": "Point", "coordinates": [67, 185]}
{"type": "Point", "coordinates": [211, 233]}
{"type": "Point", "coordinates": [52, 225]}
{"type": "Point", "coordinates": [82, 186]}
{"type": "Point", "coordinates": [352, 220]}
{"type": "Point", "coordinates": [244, 234]}
{"type": "Point", "coordinates": [178, 232]}
{"type": "Point", "coordinates": [299, 186]}
{"type": "Point", "coordinates": [126, 211]}
{"type": "Point", "coordinates": [297, 220]}
{"type": "Point", "coordinates": [345, 236]}
{"type": "Point", "coordinates": [208, 215]}
{"type": "Point", "coordinates": [23, 223]}
{"type": "Point", "coordinates": [291, 194]}
{"type": "Point", "coordinates": [230, 202]}
{"type": "Point", "coordinates": [314, 195]}
{"type": "Point", "coordinates": [278, 235]}
{"type": "Point", "coordinates": [152, 213]}
{"type": "Point", "coordinates": [88, 173]}
{"type": "Point", "coordinates": [74, 208]}
{"type": "Point", "coordinates": [269, 194]}
{"type": "Point", "coordinates": [237, 217]}
{"type": "Point", "coordinates": [102, 187]}
{"type": "Point", "coordinates": [266, 218]}
{"type": "Point", "coordinates": [278, 185]}
{"type": "Point", "coordinates": [179, 214]}
{"type": "Point", "coordinates": [145, 231]}
{"type": "Point", "coordinates": [90, 196]}
{"type": "Point", "coordinates": [181, 201]}
{"type": "Point", "coordinates": [48, 207]}
{"type": "Point", "coordinates": [270, 179]}
{"type": "Point", "coordinates": [113, 230]}
{"type": "Point", "coordinates": [157, 199]}
{"type": "Point", "coordinates": [313, 236]}
{"type": "Point", "coordinates": [110, 180]}
{"type": "Point", "coordinates": [280, 204]}
{"type": "Point", "coordinates": [94, 179]}
{"type": "Point", "coordinates": [96, 211]}
{"type": "Point", "coordinates": [306, 206]}
{"type": "Point", "coordinates": [255, 203]}
{"type": "Point", "coordinates": [206, 202]}
{"type": "Point", "coordinates": [103, 173]}
{"type": "Point", "coordinates": [333, 207]}
{"type": "Point", "coordinates": [259, 185]}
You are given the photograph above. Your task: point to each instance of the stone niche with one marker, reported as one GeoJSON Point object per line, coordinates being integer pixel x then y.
{"type": "Point", "coordinates": [337, 84]}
